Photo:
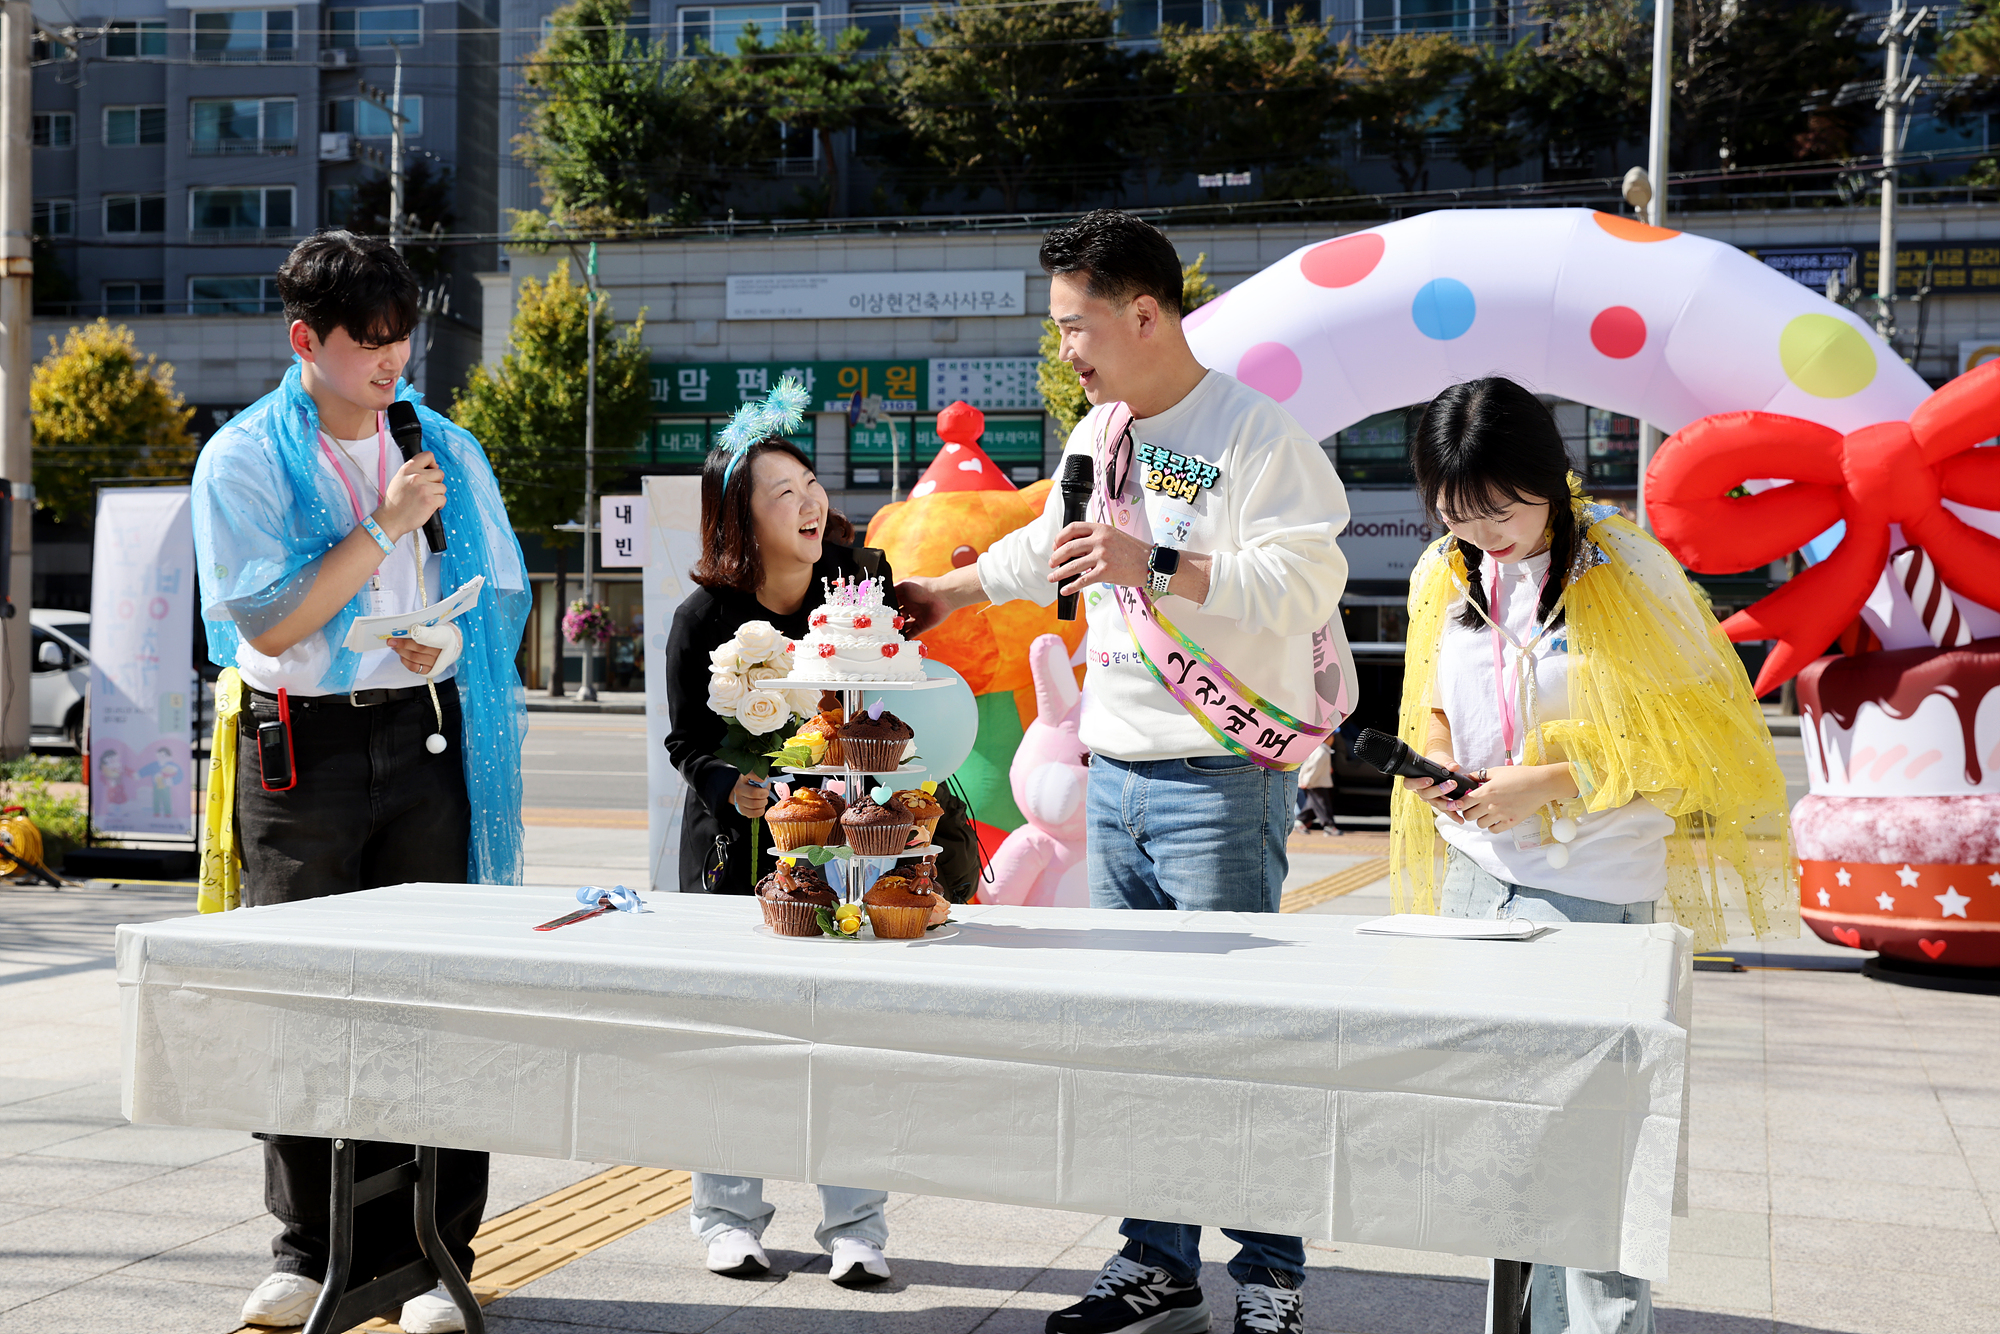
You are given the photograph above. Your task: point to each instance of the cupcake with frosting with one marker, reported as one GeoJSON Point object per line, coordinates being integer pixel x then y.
{"type": "Point", "coordinates": [875, 830]}
{"type": "Point", "coordinates": [792, 896]}
{"type": "Point", "coordinates": [874, 743]}
{"type": "Point", "coordinates": [923, 808]}
{"type": "Point", "coordinates": [898, 908]}
{"type": "Point", "coordinates": [805, 818]}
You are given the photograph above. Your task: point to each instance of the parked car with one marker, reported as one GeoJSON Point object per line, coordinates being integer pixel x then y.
{"type": "Point", "coordinates": [60, 661]}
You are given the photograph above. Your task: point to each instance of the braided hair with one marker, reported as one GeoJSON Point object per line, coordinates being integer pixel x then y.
{"type": "Point", "coordinates": [1481, 446]}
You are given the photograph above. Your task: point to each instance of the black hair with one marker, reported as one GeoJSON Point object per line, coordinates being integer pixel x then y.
{"type": "Point", "coordinates": [337, 280]}
{"type": "Point", "coordinates": [1482, 446]}
{"type": "Point", "coordinates": [729, 555]}
{"type": "Point", "coordinates": [1119, 256]}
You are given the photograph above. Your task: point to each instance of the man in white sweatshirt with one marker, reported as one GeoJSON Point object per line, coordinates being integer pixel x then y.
{"type": "Point", "coordinates": [1242, 508]}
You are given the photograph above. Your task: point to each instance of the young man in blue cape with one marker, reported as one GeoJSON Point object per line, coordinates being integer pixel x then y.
{"type": "Point", "coordinates": [404, 761]}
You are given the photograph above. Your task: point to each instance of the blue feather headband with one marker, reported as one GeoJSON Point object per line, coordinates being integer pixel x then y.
{"type": "Point", "coordinates": [781, 412]}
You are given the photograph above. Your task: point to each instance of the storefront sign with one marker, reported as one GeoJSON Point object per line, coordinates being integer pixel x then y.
{"type": "Point", "coordinates": [1976, 352]}
{"type": "Point", "coordinates": [1386, 534]}
{"type": "Point", "coordinates": [696, 387]}
{"type": "Point", "coordinates": [850, 296]}
{"type": "Point", "coordinates": [142, 662]}
{"type": "Point", "coordinates": [681, 443]}
{"type": "Point", "coordinates": [991, 384]}
{"type": "Point", "coordinates": [1014, 443]}
{"type": "Point", "coordinates": [1957, 266]}
{"type": "Point", "coordinates": [621, 528]}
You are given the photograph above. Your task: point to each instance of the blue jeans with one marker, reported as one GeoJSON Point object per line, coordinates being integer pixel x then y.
{"type": "Point", "coordinates": [723, 1202]}
{"type": "Point", "coordinates": [1205, 834]}
{"type": "Point", "coordinates": [1560, 1301]}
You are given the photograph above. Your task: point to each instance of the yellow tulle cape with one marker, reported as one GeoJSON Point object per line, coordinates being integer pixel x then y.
{"type": "Point", "coordinates": [1660, 704]}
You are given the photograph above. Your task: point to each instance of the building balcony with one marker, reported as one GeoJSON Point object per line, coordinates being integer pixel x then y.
{"type": "Point", "coordinates": [243, 147]}
{"type": "Point", "coordinates": [246, 55]}
{"type": "Point", "coordinates": [238, 235]}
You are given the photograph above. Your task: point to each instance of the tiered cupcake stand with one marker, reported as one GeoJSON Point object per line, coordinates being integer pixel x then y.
{"type": "Point", "coordinates": [858, 872]}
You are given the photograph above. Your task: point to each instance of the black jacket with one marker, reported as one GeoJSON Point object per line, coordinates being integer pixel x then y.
{"type": "Point", "coordinates": [704, 621]}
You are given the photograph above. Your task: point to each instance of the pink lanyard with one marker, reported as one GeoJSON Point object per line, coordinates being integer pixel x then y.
{"type": "Point", "coordinates": [1510, 727]}
{"type": "Point", "coordinates": [381, 467]}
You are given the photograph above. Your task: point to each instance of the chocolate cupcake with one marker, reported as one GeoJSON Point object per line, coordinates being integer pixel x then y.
{"type": "Point", "coordinates": [923, 808]}
{"type": "Point", "coordinates": [804, 819]}
{"type": "Point", "coordinates": [898, 908]}
{"type": "Point", "coordinates": [792, 896]}
{"type": "Point", "coordinates": [838, 836]}
{"type": "Point", "coordinates": [874, 830]}
{"type": "Point", "coordinates": [874, 745]}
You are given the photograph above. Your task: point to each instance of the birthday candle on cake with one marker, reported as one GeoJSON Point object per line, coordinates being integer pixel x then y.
{"type": "Point", "coordinates": [1931, 599]}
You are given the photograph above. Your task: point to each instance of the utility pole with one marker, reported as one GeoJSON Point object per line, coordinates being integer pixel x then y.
{"type": "Point", "coordinates": [589, 688]}
{"type": "Point", "coordinates": [396, 156]}
{"type": "Point", "coordinates": [1890, 104]}
{"type": "Point", "coordinates": [17, 464]}
{"type": "Point", "coordinates": [1650, 436]}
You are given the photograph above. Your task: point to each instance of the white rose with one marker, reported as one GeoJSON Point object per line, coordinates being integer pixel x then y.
{"type": "Point", "coordinates": [725, 691]}
{"type": "Point", "coordinates": [759, 675]}
{"type": "Point", "coordinates": [758, 640]}
{"type": "Point", "coordinates": [763, 711]}
{"type": "Point", "coordinates": [805, 703]}
{"type": "Point", "coordinates": [725, 658]}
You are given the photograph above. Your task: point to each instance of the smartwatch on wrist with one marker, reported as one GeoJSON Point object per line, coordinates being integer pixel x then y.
{"type": "Point", "coordinates": [1161, 563]}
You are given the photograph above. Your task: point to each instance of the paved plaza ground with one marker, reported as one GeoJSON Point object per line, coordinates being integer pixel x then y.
{"type": "Point", "coordinates": [1845, 1144]}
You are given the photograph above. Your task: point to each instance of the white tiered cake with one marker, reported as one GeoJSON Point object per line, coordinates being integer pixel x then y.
{"type": "Point", "coordinates": [855, 636]}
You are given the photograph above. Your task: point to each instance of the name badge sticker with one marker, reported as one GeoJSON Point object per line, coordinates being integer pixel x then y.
{"type": "Point", "coordinates": [1171, 525]}
{"type": "Point", "coordinates": [1176, 476]}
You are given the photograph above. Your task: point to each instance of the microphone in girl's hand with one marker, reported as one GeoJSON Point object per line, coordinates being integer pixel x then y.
{"type": "Point", "coordinates": [408, 432]}
{"type": "Point", "coordinates": [1381, 751]}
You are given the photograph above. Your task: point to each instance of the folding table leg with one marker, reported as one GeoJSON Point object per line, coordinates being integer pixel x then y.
{"type": "Point", "coordinates": [341, 1307]}
{"type": "Point", "coordinates": [1507, 1298]}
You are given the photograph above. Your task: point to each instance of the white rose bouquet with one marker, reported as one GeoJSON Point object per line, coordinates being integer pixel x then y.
{"type": "Point", "coordinates": [739, 672]}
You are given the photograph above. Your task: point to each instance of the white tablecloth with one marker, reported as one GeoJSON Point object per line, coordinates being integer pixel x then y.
{"type": "Point", "coordinates": [1276, 1073]}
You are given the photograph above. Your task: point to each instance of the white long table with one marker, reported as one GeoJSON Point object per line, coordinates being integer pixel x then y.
{"type": "Point", "coordinates": [1277, 1073]}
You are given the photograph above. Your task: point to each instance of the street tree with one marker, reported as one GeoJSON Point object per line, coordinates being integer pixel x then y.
{"type": "Point", "coordinates": [805, 85]}
{"type": "Point", "coordinates": [1493, 131]}
{"type": "Point", "coordinates": [1022, 99]}
{"type": "Point", "coordinates": [529, 413]}
{"type": "Point", "coordinates": [1403, 97]}
{"type": "Point", "coordinates": [100, 410]}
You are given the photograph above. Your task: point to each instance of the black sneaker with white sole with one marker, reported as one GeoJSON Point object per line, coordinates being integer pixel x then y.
{"type": "Point", "coordinates": [1269, 1310]}
{"type": "Point", "coordinates": [1131, 1298]}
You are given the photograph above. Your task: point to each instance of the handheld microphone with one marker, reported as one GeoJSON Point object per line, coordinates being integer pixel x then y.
{"type": "Point", "coordinates": [1393, 756]}
{"type": "Point", "coordinates": [1077, 480]}
{"type": "Point", "coordinates": [408, 432]}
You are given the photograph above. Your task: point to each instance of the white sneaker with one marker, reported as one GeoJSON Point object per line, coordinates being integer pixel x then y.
{"type": "Point", "coordinates": [433, 1313]}
{"type": "Point", "coordinates": [280, 1300]}
{"type": "Point", "coordinates": [736, 1253]}
{"type": "Point", "coordinates": [858, 1263]}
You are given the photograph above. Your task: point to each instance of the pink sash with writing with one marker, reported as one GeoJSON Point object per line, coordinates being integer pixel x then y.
{"type": "Point", "coordinates": [1238, 717]}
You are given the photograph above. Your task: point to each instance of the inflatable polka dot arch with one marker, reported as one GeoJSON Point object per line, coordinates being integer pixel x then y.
{"type": "Point", "coordinates": [1660, 325]}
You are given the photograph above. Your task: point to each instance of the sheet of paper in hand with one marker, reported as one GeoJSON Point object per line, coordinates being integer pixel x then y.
{"type": "Point", "coordinates": [371, 632]}
{"type": "Point", "coordinates": [1450, 928]}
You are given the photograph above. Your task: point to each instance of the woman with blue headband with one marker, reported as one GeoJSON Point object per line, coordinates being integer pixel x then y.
{"type": "Point", "coordinates": [769, 537]}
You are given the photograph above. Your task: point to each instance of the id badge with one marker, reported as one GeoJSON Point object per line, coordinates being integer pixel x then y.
{"type": "Point", "coordinates": [1172, 522]}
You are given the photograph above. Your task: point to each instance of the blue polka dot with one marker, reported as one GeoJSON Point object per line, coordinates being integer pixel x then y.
{"type": "Point", "coordinates": [1444, 309]}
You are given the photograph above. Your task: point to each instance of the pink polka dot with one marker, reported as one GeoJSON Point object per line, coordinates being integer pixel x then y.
{"type": "Point", "coordinates": [1344, 262]}
{"type": "Point", "coordinates": [1272, 368]}
{"type": "Point", "coordinates": [1618, 331]}
{"type": "Point", "coordinates": [1195, 318]}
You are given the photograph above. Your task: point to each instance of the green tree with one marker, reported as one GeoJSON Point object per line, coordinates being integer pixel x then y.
{"type": "Point", "coordinates": [1062, 392]}
{"type": "Point", "coordinates": [808, 87]}
{"type": "Point", "coordinates": [1492, 129]}
{"type": "Point", "coordinates": [1590, 82]}
{"type": "Point", "coordinates": [529, 413]}
{"type": "Point", "coordinates": [1402, 97]}
{"type": "Point", "coordinates": [102, 410]}
{"type": "Point", "coordinates": [1263, 95]}
{"type": "Point", "coordinates": [1018, 98]}
{"type": "Point", "coordinates": [617, 132]}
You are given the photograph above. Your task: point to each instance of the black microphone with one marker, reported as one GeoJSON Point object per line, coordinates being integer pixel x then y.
{"type": "Point", "coordinates": [1391, 755]}
{"type": "Point", "coordinates": [409, 434]}
{"type": "Point", "coordinates": [1077, 481]}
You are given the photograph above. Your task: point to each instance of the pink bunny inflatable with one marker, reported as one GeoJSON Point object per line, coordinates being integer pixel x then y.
{"type": "Point", "coordinates": [1041, 863]}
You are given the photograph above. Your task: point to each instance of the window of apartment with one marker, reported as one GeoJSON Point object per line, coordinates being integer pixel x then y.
{"type": "Point", "coordinates": [1415, 15]}
{"type": "Point", "coordinates": [233, 296]}
{"type": "Point", "coordinates": [223, 126]}
{"type": "Point", "coordinates": [375, 27]}
{"type": "Point", "coordinates": [883, 19]}
{"type": "Point", "coordinates": [42, 49]}
{"type": "Point", "coordinates": [1375, 449]}
{"type": "Point", "coordinates": [135, 39]}
{"type": "Point", "coordinates": [244, 34]}
{"type": "Point", "coordinates": [241, 214]}
{"type": "Point", "coordinates": [55, 217]}
{"type": "Point", "coordinates": [1143, 18]}
{"type": "Point", "coordinates": [135, 298]}
{"type": "Point", "coordinates": [54, 129]}
{"type": "Point", "coordinates": [364, 119]}
{"type": "Point", "coordinates": [130, 215]}
{"type": "Point", "coordinates": [339, 206]}
{"type": "Point", "coordinates": [131, 127]}
{"type": "Point", "coordinates": [721, 25]}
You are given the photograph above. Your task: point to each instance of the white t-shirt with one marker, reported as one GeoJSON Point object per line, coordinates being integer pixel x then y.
{"type": "Point", "coordinates": [1618, 856]}
{"type": "Point", "coordinates": [1270, 520]}
{"type": "Point", "coordinates": [392, 589]}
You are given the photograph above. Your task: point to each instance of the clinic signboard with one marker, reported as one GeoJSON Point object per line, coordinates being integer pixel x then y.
{"type": "Point", "coordinates": [1956, 266]}
{"type": "Point", "coordinates": [863, 296]}
{"type": "Point", "coordinates": [142, 603]}
{"type": "Point", "coordinates": [696, 387]}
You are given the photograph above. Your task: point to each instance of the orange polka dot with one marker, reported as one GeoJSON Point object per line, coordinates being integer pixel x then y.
{"type": "Point", "coordinates": [1631, 229]}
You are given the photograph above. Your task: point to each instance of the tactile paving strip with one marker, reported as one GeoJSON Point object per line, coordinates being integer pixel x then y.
{"type": "Point", "coordinates": [1335, 885]}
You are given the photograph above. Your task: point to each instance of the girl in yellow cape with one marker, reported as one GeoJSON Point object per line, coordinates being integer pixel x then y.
{"type": "Point", "coordinates": [1561, 656]}
{"type": "Point", "coordinates": [1632, 766]}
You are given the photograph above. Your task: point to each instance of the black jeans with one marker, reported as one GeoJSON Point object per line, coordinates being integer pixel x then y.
{"type": "Point", "coordinates": [371, 807]}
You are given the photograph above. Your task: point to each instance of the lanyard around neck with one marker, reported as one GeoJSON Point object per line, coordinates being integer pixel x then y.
{"type": "Point", "coordinates": [381, 466]}
{"type": "Point", "coordinates": [1509, 700]}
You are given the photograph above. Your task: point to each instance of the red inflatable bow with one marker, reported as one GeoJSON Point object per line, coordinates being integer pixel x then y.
{"type": "Point", "coordinates": [1890, 473]}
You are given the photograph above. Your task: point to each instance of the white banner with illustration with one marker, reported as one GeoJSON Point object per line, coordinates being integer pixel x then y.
{"type": "Point", "coordinates": [142, 662]}
{"type": "Point", "coordinates": [670, 511]}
